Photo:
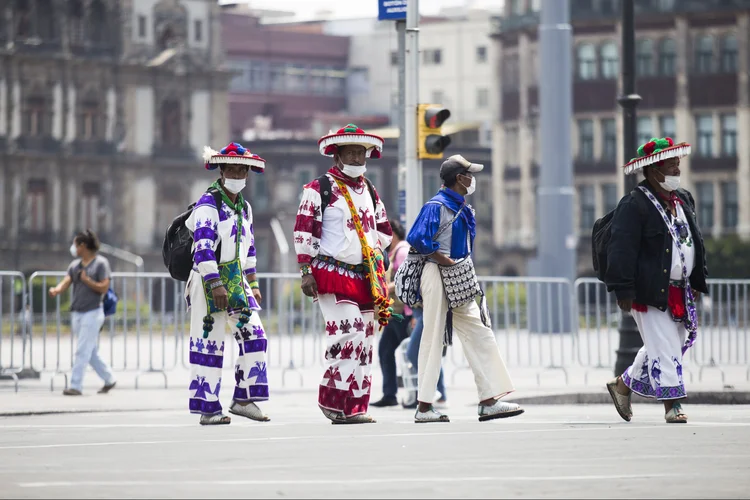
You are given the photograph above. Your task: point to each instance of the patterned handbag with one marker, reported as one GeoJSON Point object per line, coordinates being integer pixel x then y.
{"type": "Point", "coordinates": [408, 277]}
{"type": "Point", "coordinates": [460, 282]}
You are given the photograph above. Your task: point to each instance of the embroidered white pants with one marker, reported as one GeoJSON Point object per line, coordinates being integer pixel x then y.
{"type": "Point", "coordinates": [657, 368]}
{"type": "Point", "coordinates": [478, 342]}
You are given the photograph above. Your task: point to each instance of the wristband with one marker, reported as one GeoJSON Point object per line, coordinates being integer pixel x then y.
{"type": "Point", "coordinates": [254, 285]}
{"type": "Point", "coordinates": [215, 284]}
{"type": "Point", "coordinates": [305, 270]}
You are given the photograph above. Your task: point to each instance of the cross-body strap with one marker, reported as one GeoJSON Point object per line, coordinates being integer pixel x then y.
{"type": "Point", "coordinates": [444, 227]}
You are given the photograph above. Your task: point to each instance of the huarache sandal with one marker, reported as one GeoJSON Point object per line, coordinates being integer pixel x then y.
{"type": "Point", "coordinates": [217, 419]}
{"type": "Point", "coordinates": [622, 403]}
{"type": "Point", "coordinates": [676, 415]}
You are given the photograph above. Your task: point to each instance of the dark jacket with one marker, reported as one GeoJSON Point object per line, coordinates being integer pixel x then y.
{"type": "Point", "coordinates": [639, 253]}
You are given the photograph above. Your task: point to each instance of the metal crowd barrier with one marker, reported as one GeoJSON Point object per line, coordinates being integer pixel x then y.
{"type": "Point", "coordinates": [542, 324]}
{"type": "Point", "coordinates": [723, 331]}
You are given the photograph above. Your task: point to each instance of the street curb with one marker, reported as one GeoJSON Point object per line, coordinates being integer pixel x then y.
{"type": "Point", "coordinates": [26, 413]}
{"type": "Point", "coordinates": [596, 398]}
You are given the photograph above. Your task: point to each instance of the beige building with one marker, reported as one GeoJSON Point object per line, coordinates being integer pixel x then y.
{"type": "Point", "coordinates": [104, 109]}
{"type": "Point", "coordinates": [693, 62]}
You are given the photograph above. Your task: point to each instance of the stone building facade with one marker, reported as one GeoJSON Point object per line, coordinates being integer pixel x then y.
{"type": "Point", "coordinates": [104, 109]}
{"type": "Point", "coordinates": [692, 66]}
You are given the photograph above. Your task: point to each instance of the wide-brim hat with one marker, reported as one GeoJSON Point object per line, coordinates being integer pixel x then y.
{"type": "Point", "coordinates": [349, 136]}
{"type": "Point", "coordinates": [235, 154]}
{"type": "Point", "coordinates": [654, 151]}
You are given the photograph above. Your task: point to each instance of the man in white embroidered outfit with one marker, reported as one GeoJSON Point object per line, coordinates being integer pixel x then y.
{"type": "Point", "coordinates": [328, 237]}
{"type": "Point", "coordinates": [656, 265]}
{"type": "Point", "coordinates": [222, 290]}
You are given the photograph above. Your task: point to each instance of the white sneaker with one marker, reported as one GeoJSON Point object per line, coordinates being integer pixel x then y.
{"type": "Point", "coordinates": [500, 409]}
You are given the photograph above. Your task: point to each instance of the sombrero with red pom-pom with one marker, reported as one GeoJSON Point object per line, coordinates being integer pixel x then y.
{"type": "Point", "coordinates": [351, 135]}
{"type": "Point", "coordinates": [654, 151]}
{"type": "Point", "coordinates": [235, 154]}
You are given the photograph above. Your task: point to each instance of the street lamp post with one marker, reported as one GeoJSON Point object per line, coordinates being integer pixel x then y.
{"type": "Point", "coordinates": [630, 339]}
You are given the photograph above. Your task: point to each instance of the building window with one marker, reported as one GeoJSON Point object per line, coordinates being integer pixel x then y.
{"type": "Point", "coordinates": [610, 60]}
{"type": "Point", "coordinates": [704, 54]}
{"type": "Point", "coordinates": [511, 147]}
{"type": "Point", "coordinates": [729, 135]}
{"type": "Point", "coordinates": [705, 202]}
{"type": "Point", "coordinates": [483, 98]}
{"type": "Point", "coordinates": [432, 57]}
{"type": "Point", "coordinates": [516, 7]}
{"type": "Point", "coordinates": [586, 61]}
{"type": "Point", "coordinates": [667, 126]}
{"type": "Point", "coordinates": [729, 54]}
{"type": "Point", "coordinates": [198, 26]}
{"type": "Point", "coordinates": [88, 118]}
{"type": "Point", "coordinates": [510, 72]}
{"type": "Point", "coordinates": [260, 193]}
{"type": "Point", "coordinates": [667, 57]}
{"type": "Point", "coordinates": [22, 19]}
{"type": "Point", "coordinates": [704, 125]}
{"type": "Point", "coordinates": [609, 132]}
{"type": "Point", "coordinates": [729, 198]}
{"type": "Point", "coordinates": [75, 22]}
{"type": "Point", "coordinates": [481, 54]}
{"type": "Point", "coordinates": [585, 139]}
{"type": "Point", "coordinates": [394, 58]}
{"type": "Point", "coordinates": [90, 205]}
{"type": "Point", "coordinates": [645, 129]}
{"type": "Point", "coordinates": [141, 26]}
{"type": "Point", "coordinates": [171, 123]}
{"type": "Point", "coordinates": [588, 207]}
{"type": "Point", "coordinates": [609, 196]}
{"type": "Point", "coordinates": [296, 79]}
{"type": "Point", "coordinates": [37, 192]}
{"type": "Point", "coordinates": [35, 114]}
{"type": "Point", "coordinates": [98, 25]}
{"type": "Point", "coordinates": [644, 58]}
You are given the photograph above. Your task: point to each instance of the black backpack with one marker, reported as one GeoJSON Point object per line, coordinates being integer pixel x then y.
{"type": "Point", "coordinates": [602, 232]}
{"type": "Point", "coordinates": [325, 200]}
{"type": "Point", "coordinates": [177, 250]}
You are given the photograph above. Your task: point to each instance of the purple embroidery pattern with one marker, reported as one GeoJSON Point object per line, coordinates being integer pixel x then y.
{"type": "Point", "coordinates": [656, 371]}
{"type": "Point", "coordinates": [259, 371]}
{"type": "Point", "coordinates": [691, 323]}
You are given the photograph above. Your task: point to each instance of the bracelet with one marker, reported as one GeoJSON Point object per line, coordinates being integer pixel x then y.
{"type": "Point", "coordinates": [254, 285]}
{"type": "Point", "coordinates": [305, 270]}
{"type": "Point", "coordinates": [215, 284]}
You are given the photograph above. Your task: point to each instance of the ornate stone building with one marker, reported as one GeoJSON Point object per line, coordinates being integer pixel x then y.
{"type": "Point", "coordinates": [104, 108]}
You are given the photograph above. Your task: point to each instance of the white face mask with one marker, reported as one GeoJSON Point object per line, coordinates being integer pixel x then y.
{"type": "Point", "coordinates": [671, 182]}
{"type": "Point", "coordinates": [471, 187]}
{"type": "Point", "coordinates": [73, 250]}
{"type": "Point", "coordinates": [234, 186]}
{"type": "Point", "coordinates": [353, 171]}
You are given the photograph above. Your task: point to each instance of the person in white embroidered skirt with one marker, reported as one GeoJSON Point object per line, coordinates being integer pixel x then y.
{"type": "Point", "coordinates": [444, 232]}
{"type": "Point", "coordinates": [222, 291]}
{"type": "Point", "coordinates": [340, 233]}
{"type": "Point", "coordinates": [656, 266]}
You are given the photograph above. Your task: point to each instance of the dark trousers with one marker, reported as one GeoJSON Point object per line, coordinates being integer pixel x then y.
{"type": "Point", "coordinates": [393, 334]}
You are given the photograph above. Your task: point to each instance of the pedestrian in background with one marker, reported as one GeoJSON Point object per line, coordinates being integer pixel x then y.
{"type": "Point", "coordinates": [89, 273]}
{"type": "Point", "coordinates": [396, 331]}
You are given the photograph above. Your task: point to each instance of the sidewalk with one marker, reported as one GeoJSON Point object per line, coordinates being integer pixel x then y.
{"type": "Point", "coordinates": [34, 396]}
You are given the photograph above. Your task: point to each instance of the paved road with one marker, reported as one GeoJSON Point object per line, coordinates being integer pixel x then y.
{"type": "Point", "coordinates": [551, 451]}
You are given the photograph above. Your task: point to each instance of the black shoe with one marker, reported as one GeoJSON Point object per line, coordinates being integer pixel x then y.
{"type": "Point", "coordinates": [386, 401]}
{"type": "Point", "coordinates": [411, 406]}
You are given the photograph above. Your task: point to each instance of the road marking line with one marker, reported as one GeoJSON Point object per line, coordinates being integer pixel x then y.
{"type": "Point", "coordinates": [327, 482]}
{"type": "Point", "coordinates": [328, 437]}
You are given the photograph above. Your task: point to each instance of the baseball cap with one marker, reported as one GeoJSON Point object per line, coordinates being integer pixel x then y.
{"type": "Point", "coordinates": [457, 164]}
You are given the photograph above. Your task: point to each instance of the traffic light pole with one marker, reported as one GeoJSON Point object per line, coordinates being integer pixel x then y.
{"type": "Point", "coordinates": [401, 31]}
{"type": "Point", "coordinates": [411, 99]}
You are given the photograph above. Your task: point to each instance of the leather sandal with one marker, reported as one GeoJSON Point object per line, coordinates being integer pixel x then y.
{"type": "Point", "coordinates": [622, 403]}
{"type": "Point", "coordinates": [676, 415]}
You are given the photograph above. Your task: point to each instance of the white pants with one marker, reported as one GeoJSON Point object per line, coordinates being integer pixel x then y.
{"type": "Point", "coordinates": [656, 371]}
{"type": "Point", "coordinates": [478, 342]}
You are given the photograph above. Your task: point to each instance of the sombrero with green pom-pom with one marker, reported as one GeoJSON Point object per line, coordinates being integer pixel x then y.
{"type": "Point", "coordinates": [654, 151]}
{"type": "Point", "coordinates": [351, 135]}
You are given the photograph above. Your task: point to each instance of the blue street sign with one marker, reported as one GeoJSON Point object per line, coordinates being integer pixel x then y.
{"type": "Point", "coordinates": [391, 10]}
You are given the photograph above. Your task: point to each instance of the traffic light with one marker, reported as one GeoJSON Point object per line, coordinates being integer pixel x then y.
{"type": "Point", "coordinates": [430, 141]}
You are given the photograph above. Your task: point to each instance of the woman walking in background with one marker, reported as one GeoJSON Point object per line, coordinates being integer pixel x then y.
{"type": "Point", "coordinates": [89, 274]}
